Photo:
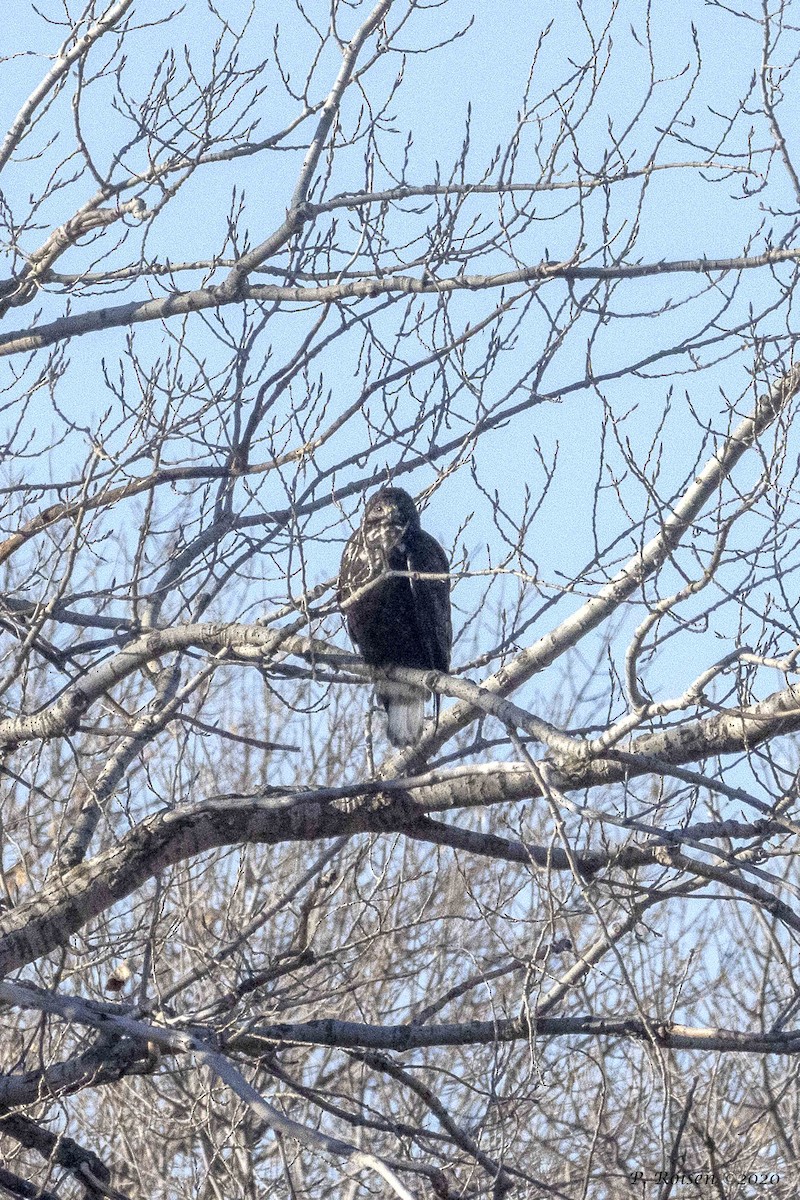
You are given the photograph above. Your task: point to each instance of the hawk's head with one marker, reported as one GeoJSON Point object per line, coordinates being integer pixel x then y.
{"type": "Point", "coordinates": [391, 507]}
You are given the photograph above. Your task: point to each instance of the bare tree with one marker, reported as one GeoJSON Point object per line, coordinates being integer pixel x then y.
{"type": "Point", "coordinates": [538, 268]}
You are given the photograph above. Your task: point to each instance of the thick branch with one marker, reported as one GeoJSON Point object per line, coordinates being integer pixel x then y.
{"type": "Point", "coordinates": [23, 341]}
{"type": "Point", "coordinates": [53, 1147]}
{"type": "Point", "coordinates": [401, 1038]}
{"type": "Point", "coordinates": [105, 1018]}
{"type": "Point", "coordinates": [60, 67]}
{"type": "Point", "coordinates": [297, 213]}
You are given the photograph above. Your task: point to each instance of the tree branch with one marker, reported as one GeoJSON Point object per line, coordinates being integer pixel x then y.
{"type": "Point", "coordinates": [23, 341]}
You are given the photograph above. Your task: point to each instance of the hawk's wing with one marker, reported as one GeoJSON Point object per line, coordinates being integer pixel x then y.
{"type": "Point", "coordinates": [354, 573]}
{"type": "Point", "coordinates": [432, 600]}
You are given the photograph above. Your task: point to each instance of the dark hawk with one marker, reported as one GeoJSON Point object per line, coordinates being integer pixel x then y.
{"type": "Point", "coordinates": [396, 620]}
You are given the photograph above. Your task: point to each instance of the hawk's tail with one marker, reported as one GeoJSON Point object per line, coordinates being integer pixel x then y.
{"type": "Point", "coordinates": [405, 710]}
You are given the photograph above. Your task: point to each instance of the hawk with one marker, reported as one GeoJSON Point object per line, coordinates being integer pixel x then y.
{"type": "Point", "coordinates": [396, 620]}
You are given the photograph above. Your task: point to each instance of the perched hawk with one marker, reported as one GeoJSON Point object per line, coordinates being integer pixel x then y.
{"type": "Point", "coordinates": [394, 620]}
